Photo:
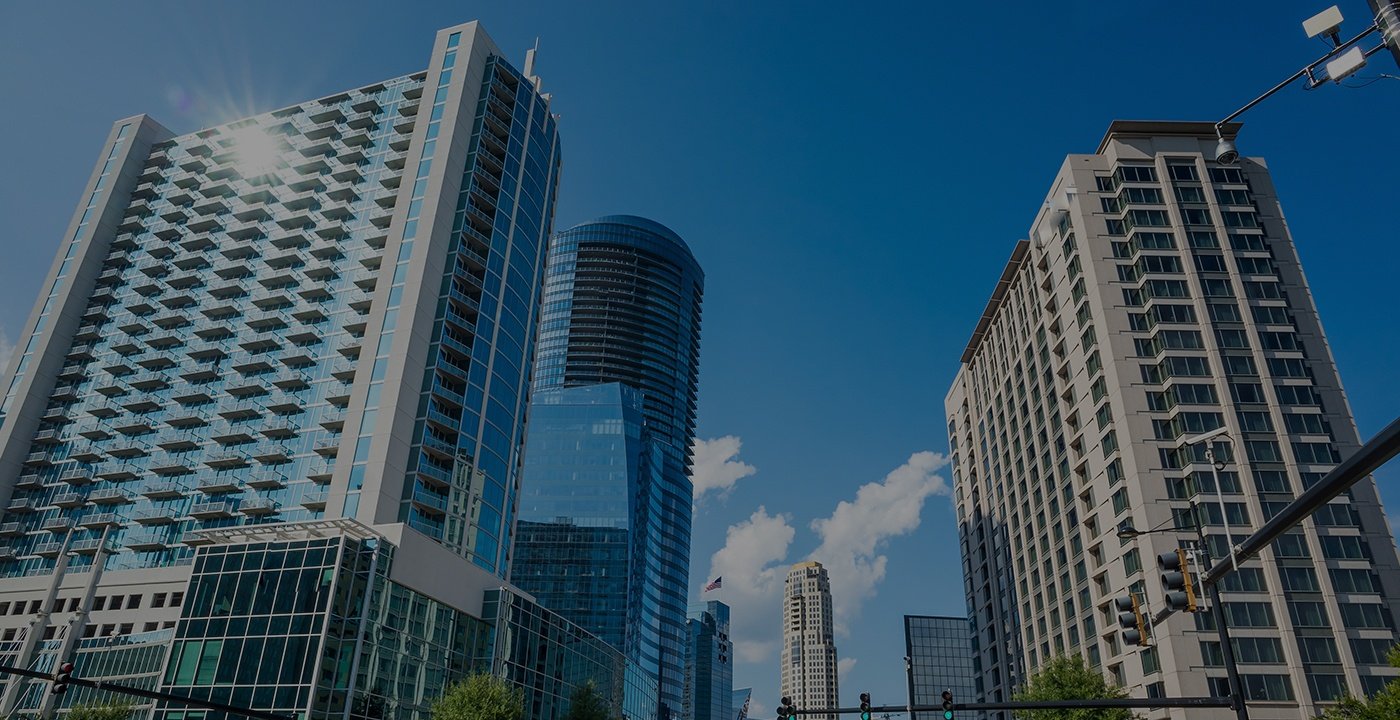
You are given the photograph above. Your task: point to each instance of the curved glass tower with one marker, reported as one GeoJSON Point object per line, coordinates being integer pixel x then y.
{"type": "Point", "coordinates": [621, 305]}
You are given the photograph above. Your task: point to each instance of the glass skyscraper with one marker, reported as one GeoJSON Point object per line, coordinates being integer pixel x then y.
{"type": "Point", "coordinates": [622, 305]}
{"type": "Point", "coordinates": [312, 326]}
{"type": "Point", "coordinates": [590, 515]}
{"type": "Point", "coordinates": [940, 651]}
{"type": "Point", "coordinates": [709, 664]}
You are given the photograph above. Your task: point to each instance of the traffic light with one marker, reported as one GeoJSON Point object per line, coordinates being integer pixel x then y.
{"type": "Point", "coordinates": [947, 705]}
{"type": "Point", "coordinates": [61, 678]}
{"type": "Point", "coordinates": [786, 711]}
{"type": "Point", "coordinates": [1130, 619]}
{"type": "Point", "coordinates": [865, 706]}
{"type": "Point", "coordinates": [1176, 579]}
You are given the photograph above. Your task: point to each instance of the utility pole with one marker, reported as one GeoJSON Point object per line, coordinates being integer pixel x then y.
{"type": "Point", "coordinates": [1217, 612]}
{"type": "Point", "coordinates": [34, 634]}
{"type": "Point", "coordinates": [76, 623]}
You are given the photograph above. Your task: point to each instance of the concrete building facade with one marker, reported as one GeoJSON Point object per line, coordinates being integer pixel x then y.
{"type": "Point", "coordinates": [310, 327]}
{"type": "Point", "coordinates": [807, 669]}
{"type": "Point", "coordinates": [1160, 296]}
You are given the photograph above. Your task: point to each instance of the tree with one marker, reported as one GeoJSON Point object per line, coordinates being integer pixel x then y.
{"type": "Point", "coordinates": [480, 697]}
{"type": "Point", "coordinates": [1069, 678]}
{"type": "Point", "coordinates": [109, 711]}
{"type": "Point", "coordinates": [1384, 705]}
{"type": "Point", "coordinates": [587, 704]}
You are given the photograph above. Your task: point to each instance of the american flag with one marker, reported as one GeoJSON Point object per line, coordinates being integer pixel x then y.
{"type": "Point", "coordinates": [714, 585]}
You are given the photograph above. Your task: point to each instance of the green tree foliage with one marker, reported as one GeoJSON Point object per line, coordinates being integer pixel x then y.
{"type": "Point", "coordinates": [1384, 705]}
{"type": "Point", "coordinates": [1069, 678]}
{"type": "Point", "coordinates": [111, 711]}
{"type": "Point", "coordinates": [587, 704]}
{"type": "Point", "coordinates": [480, 697]}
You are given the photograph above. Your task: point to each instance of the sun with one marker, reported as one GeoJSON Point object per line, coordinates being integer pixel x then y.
{"type": "Point", "coordinates": [258, 152]}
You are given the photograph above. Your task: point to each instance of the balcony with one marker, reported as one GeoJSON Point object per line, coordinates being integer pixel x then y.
{"type": "Point", "coordinates": [30, 481]}
{"type": "Point", "coordinates": [226, 461]}
{"type": "Point", "coordinates": [258, 506]}
{"type": "Point", "coordinates": [146, 542]}
{"type": "Point", "coordinates": [20, 506]}
{"type": "Point", "coordinates": [128, 449]}
{"type": "Point", "coordinates": [134, 426]}
{"type": "Point", "coordinates": [268, 481]}
{"type": "Point", "coordinates": [213, 510]}
{"type": "Point", "coordinates": [120, 473]}
{"type": "Point", "coordinates": [47, 437]}
{"type": "Point", "coordinates": [111, 496]}
{"type": "Point", "coordinates": [12, 530]}
{"type": "Point", "coordinates": [219, 485]}
{"type": "Point", "coordinates": [69, 500]}
{"type": "Point", "coordinates": [328, 447]}
{"type": "Point", "coordinates": [48, 549]}
{"type": "Point", "coordinates": [57, 525]}
{"type": "Point", "coordinates": [85, 452]}
{"type": "Point", "coordinates": [163, 490]}
{"type": "Point", "coordinates": [76, 477]}
{"type": "Point", "coordinates": [314, 501]}
{"type": "Point", "coordinates": [97, 521]}
{"type": "Point", "coordinates": [176, 442]}
{"type": "Point", "coordinates": [280, 429]}
{"type": "Point", "coordinates": [442, 448]}
{"type": "Point", "coordinates": [430, 502]}
{"type": "Point", "coordinates": [433, 475]}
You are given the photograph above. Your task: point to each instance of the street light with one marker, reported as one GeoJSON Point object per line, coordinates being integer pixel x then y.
{"type": "Point", "coordinates": [1338, 64]}
{"type": "Point", "coordinates": [1208, 439]}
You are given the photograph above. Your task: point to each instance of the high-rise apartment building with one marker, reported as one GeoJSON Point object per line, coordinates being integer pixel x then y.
{"type": "Point", "coordinates": [280, 367]}
{"type": "Point", "coordinates": [709, 664]}
{"type": "Point", "coordinates": [807, 668]}
{"type": "Point", "coordinates": [740, 703]}
{"type": "Point", "coordinates": [940, 653]}
{"type": "Point", "coordinates": [622, 305]}
{"type": "Point", "coordinates": [1158, 297]}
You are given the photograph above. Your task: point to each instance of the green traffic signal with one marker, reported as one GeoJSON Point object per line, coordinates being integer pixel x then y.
{"type": "Point", "coordinates": [947, 715]}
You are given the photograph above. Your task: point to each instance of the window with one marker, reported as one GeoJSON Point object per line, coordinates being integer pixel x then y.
{"type": "Point", "coordinates": [1308, 614]}
{"type": "Point", "coordinates": [1165, 313]}
{"type": "Point", "coordinates": [1232, 338]}
{"type": "Point", "coordinates": [1232, 197]}
{"type": "Point", "coordinates": [1227, 175]}
{"type": "Point", "coordinates": [1297, 395]}
{"type": "Point", "coordinates": [1315, 453]}
{"type": "Point", "coordinates": [1344, 547]}
{"type": "Point", "coordinates": [1289, 368]}
{"type": "Point", "coordinates": [1210, 262]}
{"type": "Point", "coordinates": [1202, 239]}
{"type": "Point", "coordinates": [1135, 174]}
{"type": "Point", "coordinates": [1120, 501]}
{"type": "Point", "coordinates": [1368, 615]}
{"type": "Point", "coordinates": [1217, 288]}
{"type": "Point", "coordinates": [1306, 424]}
{"type": "Point", "coordinates": [1182, 172]}
{"type": "Point", "coordinates": [1251, 421]}
{"type": "Point", "coordinates": [1190, 194]}
{"type": "Point", "coordinates": [1166, 289]}
{"type": "Point", "coordinates": [1291, 545]}
{"type": "Point", "coordinates": [1263, 451]}
{"type": "Point", "coordinates": [1145, 196]}
{"type": "Point", "coordinates": [1195, 216]}
{"type": "Point", "coordinates": [1279, 341]}
{"type": "Point", "coordinates": [1239, 365]}
{"type": "Point", "coordinates": [1271, 481]}
{"type": "Point", "coordinates": [1255, 265]}
{"type": "Point", "coordinates": [1225, 313]}
{"type": "Point", "coordinates": [1257, 290]}
{"type": "Point", "coordinates": [1370, 652]}
{"type": "Point", "coordinates": [1247, 242]}
{"type": "Point", "coordinates": [1159, 264]}
{"type": "Point", "coordinates": [1247, 392]}
{"type": "Point", "coordinates": [1245, 579]}
{"type": "Point", "coordinates": [1299, 579]}
{"type": "Point", "coordinates": [1354, 581]}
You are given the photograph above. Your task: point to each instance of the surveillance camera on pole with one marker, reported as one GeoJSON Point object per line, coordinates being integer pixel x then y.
{"type": "Point", "coordinates": [1328, 22]}
{"type": "Point", "coordinates": [1207, 436]}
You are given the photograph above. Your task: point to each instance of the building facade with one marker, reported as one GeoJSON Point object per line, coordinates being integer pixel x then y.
{"type": "Point", "coordinates": [590, 520]}
{"type": "Point", "coordinates": [1159, 297]}
{"type": "Point", "coordinates": [940, 653]}
{"type": "Point", "coordinates": [709, 664]}
{"type": "Point", "coordinates": [321, 314]}
{"type": "Point", "coordinates": [622, 305]}
{"type": "Point", "coordinates": [807, 669]}
{"type": "Point", "coordinates": [740, 702]}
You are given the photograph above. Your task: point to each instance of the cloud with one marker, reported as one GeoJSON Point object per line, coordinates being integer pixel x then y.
{"type": "Point", "coordinates": [7, 350]}
{"type": "Point", "coordinates": [716, 466]}
{"type": "Point", "coordinates": [752, 563]}
{"type": "Point", "coordinates": [854, 534]}
{"type": "Point", "coordinates": [843, 668]}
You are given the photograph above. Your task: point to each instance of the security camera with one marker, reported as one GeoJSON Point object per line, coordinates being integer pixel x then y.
{"type": "Point", "coordinates": [1225, 152]}
{"type": "Point", "coordinates": [1208, 436]}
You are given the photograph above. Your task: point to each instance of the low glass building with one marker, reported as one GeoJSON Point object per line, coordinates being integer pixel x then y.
{"type": "Point", "coordinates": [940, 649]}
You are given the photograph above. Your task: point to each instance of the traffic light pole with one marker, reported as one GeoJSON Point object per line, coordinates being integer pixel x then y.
{"type": "Point", "coordinates": [1217, 611]}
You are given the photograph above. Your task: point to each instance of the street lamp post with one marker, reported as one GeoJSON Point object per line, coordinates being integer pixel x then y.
{"type": "Point", "coordinates": [1217, 607]}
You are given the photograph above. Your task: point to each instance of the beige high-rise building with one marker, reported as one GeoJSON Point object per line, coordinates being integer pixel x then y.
{"type": "Point", "coordinates": [1160, 297]}
{"type": "Point", "coordinates": [809, 647]}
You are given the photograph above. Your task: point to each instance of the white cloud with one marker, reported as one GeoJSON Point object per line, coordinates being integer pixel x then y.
{"type": "Point", "coordinates": [843, 668]}
{"type": "Point", "coordinates": [752, 563]}
{"type": "Point", "coordinates": [7, 350]}
{"type": "Point", "coordinates": [716, 466]}
{"type": "Point", "coordinates": [851, 539]}
{"type": "Point", "coordinates": [757, 709]}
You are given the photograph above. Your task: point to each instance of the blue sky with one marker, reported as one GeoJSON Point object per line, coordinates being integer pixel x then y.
{"type": "Point", "coordinates": [852, 177]}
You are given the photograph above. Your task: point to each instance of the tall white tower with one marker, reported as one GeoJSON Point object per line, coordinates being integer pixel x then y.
{"type": "Point", "coordinates": [809, 649]}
